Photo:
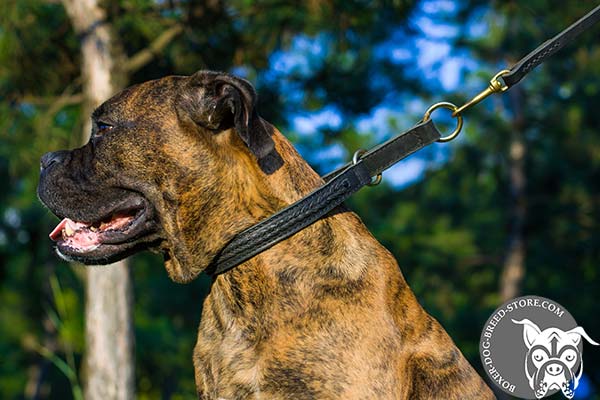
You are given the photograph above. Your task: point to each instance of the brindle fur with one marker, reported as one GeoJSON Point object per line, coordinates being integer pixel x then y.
{"type": "Point", "coordinates": [325, 314]}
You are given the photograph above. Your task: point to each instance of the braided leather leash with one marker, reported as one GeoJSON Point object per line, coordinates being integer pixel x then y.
{"type": "Point", "coordinates": [345, 181]}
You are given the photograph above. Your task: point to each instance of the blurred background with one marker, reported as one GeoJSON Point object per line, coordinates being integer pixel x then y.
{"type": "Point", "coordinates": [511, 207]}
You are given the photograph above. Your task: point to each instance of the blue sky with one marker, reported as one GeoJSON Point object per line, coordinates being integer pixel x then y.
{"type": "Point", "coordinates": [426, 54]}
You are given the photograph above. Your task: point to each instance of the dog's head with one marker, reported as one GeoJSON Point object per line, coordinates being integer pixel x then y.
{"type": "Point", "coordinates": [553, 360]}
{"type": "Point", "coordinates": [161, 171]}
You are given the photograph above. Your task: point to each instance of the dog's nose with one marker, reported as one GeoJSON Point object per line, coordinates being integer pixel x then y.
{"type": "Point", "coordinates": [52, 157]}
{"type": "Point", "coordinates": [554, 369]}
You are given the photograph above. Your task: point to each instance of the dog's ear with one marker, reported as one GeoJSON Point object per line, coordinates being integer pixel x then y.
{"type": "Point", "coordinates": [576, 333]}
{"type": "Point", "coordinates": [530, 331]}
{"type": "Point", "coordinates": [219, 101]}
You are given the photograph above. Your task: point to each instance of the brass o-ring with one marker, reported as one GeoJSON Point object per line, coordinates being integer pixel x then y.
{"type": "Point", "coordinates": [451, 107]}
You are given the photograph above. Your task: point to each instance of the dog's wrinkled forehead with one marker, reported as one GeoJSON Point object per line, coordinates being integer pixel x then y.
{"type": "Point", "coordinates": [208, 101]}
{"type": "Point", "coordinates": [554, 334]}
{"type": "Point", "coordinates": [554, 339]}
{"type": "Point", "coordinates": [153, 97]}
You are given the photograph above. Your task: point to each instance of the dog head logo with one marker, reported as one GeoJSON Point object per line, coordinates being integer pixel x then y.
{"type": "Point", "coordinates": [553, 360]}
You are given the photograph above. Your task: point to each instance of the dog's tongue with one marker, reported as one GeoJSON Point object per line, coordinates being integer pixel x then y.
{"type": "Point", "coordinates": [56, 233]}
{"type": "Point", "coordinates": [83, 236]}
{"type": "Point", "coordinates": [76, 235]}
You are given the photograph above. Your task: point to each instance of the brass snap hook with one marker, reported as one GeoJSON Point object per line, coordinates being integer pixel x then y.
{"type": "Point", "coordinates": [356, 158]}
{"type": "Point", "coordinates": [495, 86]}
{"type": "Point", "coordinates": [451, 107]}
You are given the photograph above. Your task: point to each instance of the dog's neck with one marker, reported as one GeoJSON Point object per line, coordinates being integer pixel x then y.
{"type": "Point", "coordinates": [292, 179]}
{"type": "Point", "coordinates": [336, 258]}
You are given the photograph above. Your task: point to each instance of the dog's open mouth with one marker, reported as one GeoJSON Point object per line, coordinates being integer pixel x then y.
{"type": "Point", "coordinates": [84, 236]}
{"type": "Point", "coordinates": [106, 239]}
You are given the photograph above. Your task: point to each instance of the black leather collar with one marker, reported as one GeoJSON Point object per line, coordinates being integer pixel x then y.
{"type": "Point", "coordinates": [339, 185]}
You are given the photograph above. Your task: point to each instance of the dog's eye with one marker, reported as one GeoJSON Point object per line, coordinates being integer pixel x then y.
{"type": "Point", "coordinates": [538, 355]}
{"type": "Point", "coordinates": [569, 355]}
{"type": "Point", "coordinates": [102, 128]}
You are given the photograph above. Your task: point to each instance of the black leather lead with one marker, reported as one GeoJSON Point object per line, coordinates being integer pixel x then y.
{"type": "Point", "coordinates": [340, 185]}
{"type": "Point", "coordinates": [549, 47]}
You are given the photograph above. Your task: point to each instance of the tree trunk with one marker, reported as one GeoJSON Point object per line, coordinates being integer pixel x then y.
{"type": "Point", "coordinates": [513, 270]}
{"type": "Point", "coordinates": [109, 358]}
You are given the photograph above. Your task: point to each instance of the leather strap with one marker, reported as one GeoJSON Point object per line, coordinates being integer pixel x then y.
{"type": "Point", "coordinates": [549, 47]}
{"type": "Point", "coordinates": [342, 183]}
{"type": "Point", "coordinates": [339, 185]}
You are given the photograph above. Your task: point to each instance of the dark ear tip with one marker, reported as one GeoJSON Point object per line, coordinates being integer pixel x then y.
{"type": "Point", "coordinates": [270, 162]}
{"type": "Point", "coordinates": [261, 144]}
{"type": "Point", "coordinates": [264, 150]}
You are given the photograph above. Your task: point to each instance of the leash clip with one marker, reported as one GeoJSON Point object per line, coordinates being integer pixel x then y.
{"type": "Point", "coordinates": [495, 86]}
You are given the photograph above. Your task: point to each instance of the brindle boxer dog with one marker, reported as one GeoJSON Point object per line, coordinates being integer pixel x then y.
{"type": "Point", "coordinates": [180, 165]}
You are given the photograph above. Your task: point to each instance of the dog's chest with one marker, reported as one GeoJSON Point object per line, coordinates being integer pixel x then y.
{"type": "Point", "coordinates": [234, 371]}
{"type": "Point", "coordinates": [298, 360]}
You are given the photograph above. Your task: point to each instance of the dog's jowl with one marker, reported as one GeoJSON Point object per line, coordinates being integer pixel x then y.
{"type": "Point", "coordinates": [179, 166]}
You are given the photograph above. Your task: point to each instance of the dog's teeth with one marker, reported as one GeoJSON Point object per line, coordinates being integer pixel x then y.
{"type": "Point", "coordinates": [93, 228]}
{"type": "Point", "coordinates": [68, 230]}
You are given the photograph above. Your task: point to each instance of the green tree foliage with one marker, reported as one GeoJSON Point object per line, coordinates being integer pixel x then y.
{"type": "Point", "coordinates": [448, 229]}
